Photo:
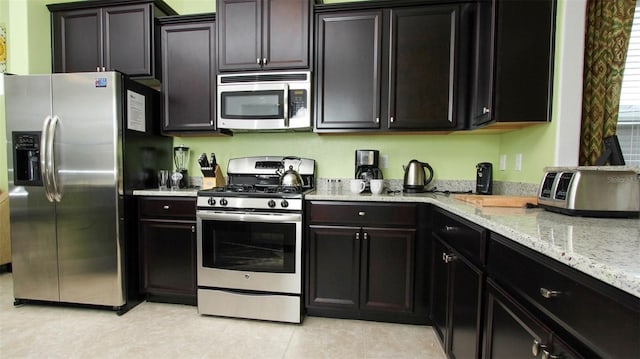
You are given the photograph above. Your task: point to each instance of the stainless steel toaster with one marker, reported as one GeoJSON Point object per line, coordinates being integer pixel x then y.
{"type": "Point", "coordinates": [591, 191]}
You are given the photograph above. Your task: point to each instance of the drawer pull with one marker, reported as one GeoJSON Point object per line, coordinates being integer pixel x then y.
{"type": "Point", "coordinates": [535, 348]}
{"type": "Point", "coordinates": [362, 213]}
{"type": "Point", "coordinates": [450, 229]}
{"type": "Point", "coordinates": [357, 236]}
{"type": "Point", "coordinates": [547, 355]}
{"type": "Point", "coordinates": [366, 236]}
{"type": "Point", "coordinates": [448, 258]}
{"type": "Point", "coordinates": [550, 293]}
{"type": "Point", "coordinates": [166, 206]}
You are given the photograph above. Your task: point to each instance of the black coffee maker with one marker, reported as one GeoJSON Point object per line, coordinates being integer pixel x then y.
{"type": "Point", "coordinates": [367, 166]}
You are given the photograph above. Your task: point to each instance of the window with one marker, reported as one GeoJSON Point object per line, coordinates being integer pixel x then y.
{"type": "Point", "coordinates": [628, 129]}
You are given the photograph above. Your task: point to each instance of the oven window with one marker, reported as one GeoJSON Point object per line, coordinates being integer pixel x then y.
{"type": "Point", "coordinates": [249, 246]}
{"type": "Point", "coordinates": [253, 104]}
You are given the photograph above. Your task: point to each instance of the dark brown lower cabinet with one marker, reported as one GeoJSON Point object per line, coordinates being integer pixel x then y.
{"type": "Point", "coordinates": [597, 319]}
{"type": "Point", "coordinates": [457, 284]}
{"type": "Point", "coordinates": [456, 304]}
{"type": "Point", "coordinates": [362, 272]}
{"type": "Point", "coordinates": [168, 248]}
{"type": "Point", "coordinates": [513, 332]}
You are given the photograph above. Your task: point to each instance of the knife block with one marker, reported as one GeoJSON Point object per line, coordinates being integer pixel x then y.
{"type": "Point", "coordinates": [217, 181]}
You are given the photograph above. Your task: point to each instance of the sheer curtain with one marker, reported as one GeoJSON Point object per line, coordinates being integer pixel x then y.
{"type": "Point", "coordinates": [606, 41]}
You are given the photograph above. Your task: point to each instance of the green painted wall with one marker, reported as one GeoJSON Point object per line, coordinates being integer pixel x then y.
{"type": "Point", "coordinates": [452, 156]}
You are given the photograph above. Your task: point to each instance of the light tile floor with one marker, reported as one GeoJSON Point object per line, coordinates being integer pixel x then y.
{"type": "Point", "coordinates": [156, 330]}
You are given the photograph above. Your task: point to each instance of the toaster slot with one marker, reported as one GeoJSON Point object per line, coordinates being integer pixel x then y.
{"type": "Point", "coordinates": [563, 185]}
{"type": "Point", "coordinates": [547, 185]}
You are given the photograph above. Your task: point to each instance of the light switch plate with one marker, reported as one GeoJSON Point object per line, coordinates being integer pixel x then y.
{"type": "Point", "coordinates": [503, 162]}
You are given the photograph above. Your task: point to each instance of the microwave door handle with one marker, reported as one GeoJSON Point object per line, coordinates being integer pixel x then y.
{"type": "Point", "coordinates": [286, 105]}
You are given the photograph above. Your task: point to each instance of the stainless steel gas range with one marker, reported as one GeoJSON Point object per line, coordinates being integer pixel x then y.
{"type": "Point", "coordinates": [250, 241]}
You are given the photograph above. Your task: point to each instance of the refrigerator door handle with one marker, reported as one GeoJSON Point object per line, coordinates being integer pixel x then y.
{"type": "Point", "coordinates": [51, 161]}
{"type": "Point", "coordinates": [44, 140]}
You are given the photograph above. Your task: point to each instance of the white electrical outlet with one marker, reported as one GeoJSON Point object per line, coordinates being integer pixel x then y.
{"type": "Point", "coordinates": [503, 162]}
{"type": "Point", "coordinates": [518, 161]}
{"type": "Point", "coordinates": [384, 161]}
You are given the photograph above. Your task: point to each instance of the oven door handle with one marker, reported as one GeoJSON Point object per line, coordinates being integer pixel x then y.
{"type": "Point", "coordinates": [250, 217]}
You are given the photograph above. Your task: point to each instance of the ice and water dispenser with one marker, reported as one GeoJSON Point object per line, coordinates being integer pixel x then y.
{"type": "Point", "coordinates": [26, 159]}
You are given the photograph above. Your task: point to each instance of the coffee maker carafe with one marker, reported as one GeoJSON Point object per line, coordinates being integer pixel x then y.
{"type": "Point", "coordinates": [181, 160]}
{"type": "Point", "coordinates": [367, 166]}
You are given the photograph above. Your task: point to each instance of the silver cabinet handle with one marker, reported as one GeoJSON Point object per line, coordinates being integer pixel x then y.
{"type": "Point", "coordinates": [485, 110]}
{"type": "Point", "coordinates": [448, 258]}
{"type": "Point", "coordinates": [362, 213]}
{"type": "Point", "coordinates": [357, 236]}
{"type": "Point", "coordinates": [550, 293]}
{"type": "Point", "coordinates": [264, 61]}
{"type": "Point", "coordinates": [193, 229]}
{"type": "Point", "coordinates": [366, 236]}
{"type": "Point", "coordinates": [535, 348]}
{"type": "Point", "coordinates": [377, 119]}
{"type": "Point", "coordinates": [166, 206]}
{"type": "Point", "coordinates": [211, 123]}
{"type": "Point", "coordinates": [450, 228]}
{"type": "Point", "coordinates": [547, 355]}
{"type": "Point", "coordinates": [391, 119]}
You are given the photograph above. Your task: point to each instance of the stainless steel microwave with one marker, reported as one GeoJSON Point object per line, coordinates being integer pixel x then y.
{"type": "Point", "coordinates": [267, 101]}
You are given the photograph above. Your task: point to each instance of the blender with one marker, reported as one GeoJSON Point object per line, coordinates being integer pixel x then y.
{"type": "Point", "coordinates": [181, 160]}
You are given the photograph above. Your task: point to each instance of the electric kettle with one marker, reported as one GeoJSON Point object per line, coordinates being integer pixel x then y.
{"type": "Point", "coordinates": [415, 180]}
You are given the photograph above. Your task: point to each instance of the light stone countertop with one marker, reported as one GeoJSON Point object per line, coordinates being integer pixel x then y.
{"type": "Point", "coordinates": [606, 249]}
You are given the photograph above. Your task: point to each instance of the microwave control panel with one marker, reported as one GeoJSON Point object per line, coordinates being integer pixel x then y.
{"type": "Point", "coordinates": [298, 103]}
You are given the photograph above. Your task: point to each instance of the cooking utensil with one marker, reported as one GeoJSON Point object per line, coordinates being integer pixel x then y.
{"type": "Point", "coordinates": [290, 177]}
{"type": "Point", "coordinates": [415, 180]}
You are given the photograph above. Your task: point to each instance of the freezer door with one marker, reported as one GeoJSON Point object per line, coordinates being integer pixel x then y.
{"type": "Point", "coordinates": [87, 161]}
{"type": "Point", "coordinates": [33, 230]}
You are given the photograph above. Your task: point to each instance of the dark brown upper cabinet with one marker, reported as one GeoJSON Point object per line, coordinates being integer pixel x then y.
{"type": "Point", "coordinates": [514, 62]}
{"type": "Point", "coordinates": [105, 35]}
{"type": "Point", "coordinates": [392, 68]}
{"type": "Point", "coordinates": [188, 62]}
{"type": "Point", "coordinates": [263, 34]}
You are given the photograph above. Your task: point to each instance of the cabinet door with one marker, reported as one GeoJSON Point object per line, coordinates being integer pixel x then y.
{"type": "Point", "coordinates": [423, 67]}
{"type": "Point", "coordinates": [285, 36]}
{"type": "Point", "coordinates": [386, 282]}
{"type": "Point", "coordinates": [127, 39]}
{"type": "Point", "coordinates": [439, 290]}
{"type": "Point", "coordinates": [511, 333]}
{"type": "Point", "coordinates": [334, 267]}
{"type": "Point", "coordinates": [188, 68]}
{"type": "Point", "coordinates": [465, 299]}
{"type": "Point", "coordinates": [240, 34]}
{"type": "Point", "coordinates": [348, 70]}
{"type": "Point", "coordinates": [517, 42]}
{"type": "Point", "coordinates": [169, 263]}
{"type": "Point", "coordinates": [77, 40]}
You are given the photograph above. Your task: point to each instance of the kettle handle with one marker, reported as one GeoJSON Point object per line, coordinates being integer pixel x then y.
{"type": "Point", "coordinates": [426, 165]}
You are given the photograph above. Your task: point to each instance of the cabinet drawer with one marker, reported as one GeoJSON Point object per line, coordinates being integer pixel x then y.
{"type": "Point", "coordinates": [362, 214]}
{"type": "Point", "coordinates": [604, 318]}
{"type": "Point", "coordinates": [168, 207]}
{"type": "Point", "coordinates": [466, 238]}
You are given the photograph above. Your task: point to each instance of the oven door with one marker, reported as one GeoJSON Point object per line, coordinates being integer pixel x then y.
{"type": "Point", "coordinates": [250, 251]}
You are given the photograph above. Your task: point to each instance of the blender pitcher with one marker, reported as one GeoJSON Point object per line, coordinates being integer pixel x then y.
{"type": "Point", "coordinates": [181, 160]}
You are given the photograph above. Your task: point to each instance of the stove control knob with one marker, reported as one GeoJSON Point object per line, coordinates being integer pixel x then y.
{"type": "Point", "coordinates": [212, 201]}
{"type": "Point", "coordinates": [223, 202]}
{"type": "Point", "coordinates": [271, 203]}
{"type": "Point", "coordinates": [284, 203]}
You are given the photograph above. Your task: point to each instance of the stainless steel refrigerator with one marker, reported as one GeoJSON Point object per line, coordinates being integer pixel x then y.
{"type": "Point", "coordinates": [78, 144]}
